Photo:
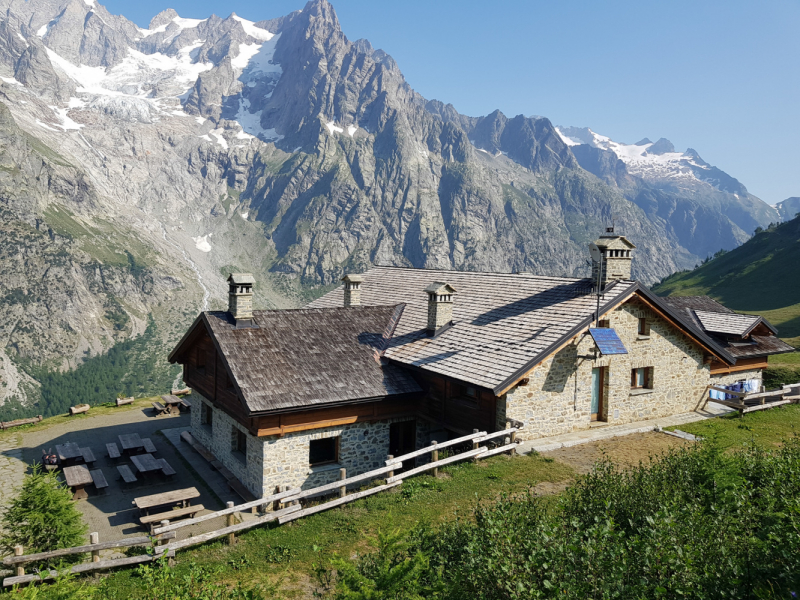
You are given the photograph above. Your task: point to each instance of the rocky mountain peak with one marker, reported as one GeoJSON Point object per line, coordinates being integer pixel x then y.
{"type": "Point", "coordinates": [165, 17]}
{"type": "Point", "coordinates": [643, 142]}
{"type": "Point", "coordinates": [662, 146]}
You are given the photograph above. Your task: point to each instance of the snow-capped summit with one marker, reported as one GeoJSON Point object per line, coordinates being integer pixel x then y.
{"type": "Point", "coordinates": [657, 162]}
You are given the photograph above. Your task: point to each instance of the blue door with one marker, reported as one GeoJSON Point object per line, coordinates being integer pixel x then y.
{"type": "Point", "coordinates": [597, 393]}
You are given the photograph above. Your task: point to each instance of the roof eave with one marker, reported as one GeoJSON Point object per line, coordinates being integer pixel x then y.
{"type": "Point", "coordinates": [175, 351]}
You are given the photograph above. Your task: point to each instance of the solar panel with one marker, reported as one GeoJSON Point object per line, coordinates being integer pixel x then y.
{"type": "Point", "coordinates": [607, 341]}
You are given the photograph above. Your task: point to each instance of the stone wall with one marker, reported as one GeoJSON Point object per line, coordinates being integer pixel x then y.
{"type": "Point", "coordinates": [728, 378]}
{"type": "Point", "coordinates": [557, 398]}
{"type": "Point", "coordinates": [274, 461]}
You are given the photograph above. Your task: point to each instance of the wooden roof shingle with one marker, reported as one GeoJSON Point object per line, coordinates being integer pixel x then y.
{"type": "Point", "coordinates": [310, 357]}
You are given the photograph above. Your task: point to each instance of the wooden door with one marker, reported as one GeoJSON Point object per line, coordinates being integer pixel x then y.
{"type": "Point", "coordinates": [598, 393]}
{"type": "Point", "coordinates": [403, 440]}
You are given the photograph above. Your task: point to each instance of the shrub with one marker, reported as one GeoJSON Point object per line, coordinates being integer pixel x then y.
{"type": "Point", "coordinates": [43, 516]}
{"type": "Point", "coordinates": [696, 524]}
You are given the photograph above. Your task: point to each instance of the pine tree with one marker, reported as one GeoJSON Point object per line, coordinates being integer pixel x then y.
{"type": "Point", "coordinates": [43, 516]}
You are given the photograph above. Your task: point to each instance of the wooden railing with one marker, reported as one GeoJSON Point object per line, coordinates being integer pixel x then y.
{"type": "Point", "coordinates": [286, 503]}
{"type": "Point", "coordinates": [744, 401]}
{"type": "Point", "coordinates": [19, 560]}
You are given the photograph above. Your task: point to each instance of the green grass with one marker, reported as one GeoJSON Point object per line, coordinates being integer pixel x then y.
{"type": "Point", "coordinates": [767, 428]}
{"type": "Point", "coordinates": [759, 276]}
{"type": "Point", "coordinates": [95, 411]}
{"type": "Point", "coordinates": [289, 551]}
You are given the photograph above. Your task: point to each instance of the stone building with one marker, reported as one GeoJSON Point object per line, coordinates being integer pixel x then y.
{"type": "Point", "coordinates": [398, 357]}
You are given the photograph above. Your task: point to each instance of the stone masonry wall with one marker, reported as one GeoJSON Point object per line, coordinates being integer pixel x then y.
{"type": "Point", "coordinates": [557, 398]}
{"type": "Point", "coordinates": [274, 461]}
{"type": "Point", "coordinates": [729, 378]}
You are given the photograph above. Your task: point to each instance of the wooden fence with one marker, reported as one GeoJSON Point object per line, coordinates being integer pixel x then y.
{"type": "Point", "coordinates": [746, 402]}
{"type": "Point", "coordinates": [19, 560]}
{"type": "Point", "coordinates": [286, 505]}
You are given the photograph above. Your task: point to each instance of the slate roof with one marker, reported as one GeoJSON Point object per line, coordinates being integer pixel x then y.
{"type": "Point", "coordinates": [502, 322]}
{"type": "Point", "coordinates": [727, 322]}
{"type": "Point", "coordinates": [310, 357]}
{"type": "Point", "coordinates": [727, 328]}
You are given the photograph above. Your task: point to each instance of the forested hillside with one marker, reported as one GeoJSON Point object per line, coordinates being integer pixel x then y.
{"type": "Point", "coordinates": [760, 276]}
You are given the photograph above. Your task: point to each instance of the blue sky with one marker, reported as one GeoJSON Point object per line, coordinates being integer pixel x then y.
{"type": "Point", "coordinates": [722, 77]}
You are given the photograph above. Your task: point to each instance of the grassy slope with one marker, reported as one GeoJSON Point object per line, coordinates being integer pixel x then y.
{"type": "Point", "coordinates": [761, 276]}
{"type": "Point", "coordinates": [288, 553]}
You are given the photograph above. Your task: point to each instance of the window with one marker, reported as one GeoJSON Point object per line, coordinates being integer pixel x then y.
{"type": "Point", "coordinates": [644, 328]}
{"type": "Point", "coordinates": [206, 414]}
{"type": "Point", "coordinates": [239, 443]}
{"type": "Point", "coordinates": [604, 324]}
{"type": "Point", "coordinates": [642, 378]}
{"type": "Point", "coordinates": [323, 452]}
{"type": "Point", "coordinates": [465, 392]}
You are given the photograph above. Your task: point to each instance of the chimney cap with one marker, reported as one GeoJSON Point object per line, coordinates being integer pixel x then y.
{"type": "Point", "coordinates": [439, 288]}
{"type": "Point", "coordinates": [353, 278]}
{"type": "Point", "coordinates": [241, 278]}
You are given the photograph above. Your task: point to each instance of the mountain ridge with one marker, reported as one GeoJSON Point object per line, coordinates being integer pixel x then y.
{"type": "Point", "coordinates": [281, 147]}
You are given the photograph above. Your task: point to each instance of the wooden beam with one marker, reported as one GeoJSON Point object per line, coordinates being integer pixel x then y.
{"type": "Point", "coordinates": [441, 463]}
{"type": "Point", "coordinates": [212, 535]}
{"type": "Point", "coordinates": [123, 543]}
{"type": "Point", "coordinates": [766, 406]}
{"type": "Point", "coordinates": [226, 511]}
{"type": "Point", "coordinates": [83, 568]}
{"type": "Point", "coordinates": [337, 502]}
{"type": "Point", "coordinates": [337, 484]}
{"type": "Point", "coordinates": [410, 455]}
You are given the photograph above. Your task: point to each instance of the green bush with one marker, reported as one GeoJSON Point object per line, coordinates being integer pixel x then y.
{"type": "Point", "coordinates": [697, 524]}
{"type": "Point", "coordinates": [43, 516]}
{"type": "Point", "coordinates": [775, 377]}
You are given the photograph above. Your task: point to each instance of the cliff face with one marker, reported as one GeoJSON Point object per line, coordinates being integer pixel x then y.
{"type": "Point", "coordinates": [139, 166]}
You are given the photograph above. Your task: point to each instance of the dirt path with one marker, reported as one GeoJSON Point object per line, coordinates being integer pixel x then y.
{"type": "Point", "coordinates": [626, 451]}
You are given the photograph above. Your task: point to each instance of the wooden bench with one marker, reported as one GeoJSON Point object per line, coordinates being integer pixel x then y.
{"type": "Point", "coordinates": [113, 451]}
{"type": "Point", "coordinates": [166, 468]}
{"type": "Point", "coordinates": [126, 474]}
{"type": "Point", "coordinates": [88, 455]}
{"type": "Point", "coordinates": [187, 437]}
{"type": "Point", "coordinates": [155, 520]}
{"type": "Point", "coordinates": [159, 408]}
{"type": "Point", "coordinates": [185, 406]}
{"type": "Point", "coordinates": [149, 446]}
{"type": "Point", "coordinates": [123, 401]}
{"type": "Point", "coordinates": [99, 480]}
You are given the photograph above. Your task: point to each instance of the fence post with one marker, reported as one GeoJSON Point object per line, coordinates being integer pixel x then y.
{"type": "Point", "coordinates": [475, 445]}
{"type": "Point", "coordinates": [435, 457]}
{"type": "Point", "coordinates": [514, 442]}
{"type": "Point", "coordinates": [343, 489]}
{"type": "Point", "coordinates": [94, 538]}
{"type": "Point", "coordinates": [391, 473]}
{"type": "Point", "coordinates": [20, 566]}
{"type": "Point", "coordinates": [229, 522]}
{"type": "Point", "coordinates": [276, 505]}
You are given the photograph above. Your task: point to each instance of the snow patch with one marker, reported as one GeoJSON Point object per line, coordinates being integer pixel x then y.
{"type": "Point", "coordinates": [66, 122]}
{"type": "Point", "coordinates": [244, 215]}
{"type": "Point", "coordinates": [217, 133]}
{"type": "Point", "coordinates": [246, 52]}
{"type": "Point", "coordinates": [333, 128]}
{"type": "Point", "coordinates": [202, 243]}
{"type": "Point", "coordinates": [251, 123]}
{"type": "Point", "coordinates": [89, 2]}
{"type": "Point", "coordinates": [567, 140]}
{"type": "Point", "coordinates": [351, 129]}
{"type": "Point", "coordinates": [11, 80]}
{"type": "Point", "coordinates": [252, 30]}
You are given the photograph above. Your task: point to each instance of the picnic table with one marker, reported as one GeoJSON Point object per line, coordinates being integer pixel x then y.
{"type": "Point", "coordinates": [182, 497]}
{"type": "Point", "coordinates": [173, 403]}
{"type": "Point", "coordinates": [78, 477]}
{"type": "Point", "coordinates": [146, 463]}
{"type": "Point", "coordinates": [130, 442]}
{"type": "Point", "coordinates": [69, 453]}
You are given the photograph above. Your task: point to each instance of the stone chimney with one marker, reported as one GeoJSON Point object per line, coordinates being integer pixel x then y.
{"type": "Point", "coordinates": [617, 255]}
{"type": "Point", "coordinates": [352, 290]}
{"type": "Point", "coordinates": [440, 305]}
{"type": "Point", "coordinates": [240, 298]}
